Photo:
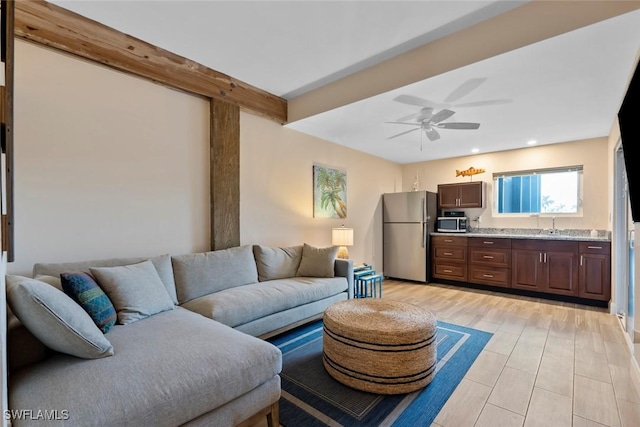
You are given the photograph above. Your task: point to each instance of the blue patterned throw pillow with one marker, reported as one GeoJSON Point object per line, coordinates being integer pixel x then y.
{"type": "Point", "coordinates": [85, 291]}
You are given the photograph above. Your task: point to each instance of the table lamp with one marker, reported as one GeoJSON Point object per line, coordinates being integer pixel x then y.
{"type": "Point", "coordinates": [342, 237]}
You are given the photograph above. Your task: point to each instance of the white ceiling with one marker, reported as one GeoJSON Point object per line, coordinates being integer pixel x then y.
{"type": "Point", "coordinates": [561, 89]}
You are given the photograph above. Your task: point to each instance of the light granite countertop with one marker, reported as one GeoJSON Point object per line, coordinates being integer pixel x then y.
{"type": "Point", "coordinates": [533, 233]}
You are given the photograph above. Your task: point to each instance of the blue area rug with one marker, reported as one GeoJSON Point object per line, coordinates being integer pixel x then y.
{"type": "Point", "coordinates": [310, 397]}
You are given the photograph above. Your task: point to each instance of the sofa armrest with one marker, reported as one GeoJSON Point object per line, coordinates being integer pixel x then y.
{"type": "Point", "coordinates": [344, 268]}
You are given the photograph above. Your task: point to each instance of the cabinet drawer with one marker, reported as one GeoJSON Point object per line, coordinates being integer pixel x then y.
{"type": "Point", "coordinates": [449, 240]}
{"type": "Point", "coordinates": [482, 242]}
{"type": "Point", "coordinates": [595, 247]}
{"type": "Point", "coordinates": [490, 257]}
{"type": "Point", "coordinates": [449, 253]}
{"type": "Point", "coordinates": [490, 276]}
{"type": "Point", "coordinates": [450, 271]}
{"type": "Point", "coordinates": [545, 245]}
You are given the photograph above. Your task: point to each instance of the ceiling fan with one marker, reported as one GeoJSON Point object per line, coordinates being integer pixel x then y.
{"type": "Point", "coordinates": [429, 120]}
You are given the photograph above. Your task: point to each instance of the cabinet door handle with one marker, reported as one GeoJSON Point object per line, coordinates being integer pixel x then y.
{"type": "Point", "coordinates": [488, 275]}
{"type": "Point", "coordinates": [448, 241]}
{"type": "Point", "coordinates": [540, 256]}
{"type": "Point", "coordinates": [447, 253]}
{"type": "Point", "coordinates": [545, 257]}
{"type": "Point", "coordinates": [488, 243]}
{"type": "Point", "coordinates": [594, 247]}
{"type": "Point", "coordinates": [447, 271]}
{"type": "Point", "coordinates": [581, 258]}
{"type": "Point", "coordinates": [487, 257]}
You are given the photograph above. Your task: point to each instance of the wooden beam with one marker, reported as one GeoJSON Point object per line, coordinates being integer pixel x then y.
{"type": "Point", "coordinates": [530, 23]}
{"type": "Point", "coordinates": [225, 175]}
{"type": "Point", "coordinates": [61, 29]}
{"type": "Point", "coordinates": [7, 56]}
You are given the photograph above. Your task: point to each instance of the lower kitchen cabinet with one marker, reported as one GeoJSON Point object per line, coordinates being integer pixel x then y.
{"type": "Point", "coordinates": [527, 270]}
{"type": "Point", "coordinates": [449, 257]}
{"type": "Point", "coordinates": [562, 267]}
{"type": "Point", "coordinates": [549, 266]}
{"type": "Point", "coordinates": [595, 270]}
{"type": "Point", "coordinates": [490, 261]}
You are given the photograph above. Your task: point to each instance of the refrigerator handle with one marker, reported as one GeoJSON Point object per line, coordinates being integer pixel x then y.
{"type": "Point", "coordinates": [424, 223]}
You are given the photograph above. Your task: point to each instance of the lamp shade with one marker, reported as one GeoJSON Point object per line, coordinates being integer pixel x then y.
{"type": "Point", "coordinates": [342, 236]}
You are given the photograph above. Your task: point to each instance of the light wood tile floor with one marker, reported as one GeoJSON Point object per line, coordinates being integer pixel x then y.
{"type": "Point", "coordinates": [549, 364]}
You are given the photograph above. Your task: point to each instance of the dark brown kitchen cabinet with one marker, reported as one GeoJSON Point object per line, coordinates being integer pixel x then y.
{"type": "Point", "coordinates": [490, 261]}
{"type": "Point", "coordinates": [545, 266]}
{"type": "Point", "coordinates": [595, 270]}
{"type": "Point", "coordinates": [449, 257]}
{"type": "Point", "coordinates": [463, 195]}
{"type": "Point", "coordinates": [562, 267]}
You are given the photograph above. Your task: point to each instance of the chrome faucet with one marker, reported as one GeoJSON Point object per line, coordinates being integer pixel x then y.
{"type": "Point", "coordinates": [553, 225]}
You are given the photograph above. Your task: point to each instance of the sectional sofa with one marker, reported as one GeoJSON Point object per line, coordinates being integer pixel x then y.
{"type": "Point", "coordinates": [185, 349]}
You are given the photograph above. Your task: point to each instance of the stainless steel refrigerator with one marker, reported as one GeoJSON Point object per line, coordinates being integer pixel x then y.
{"type": "Point", "coordinates": [408, 220]}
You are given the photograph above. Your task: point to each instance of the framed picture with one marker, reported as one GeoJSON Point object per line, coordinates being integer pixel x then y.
{"type": "Point", "coordinates": [329, 192]}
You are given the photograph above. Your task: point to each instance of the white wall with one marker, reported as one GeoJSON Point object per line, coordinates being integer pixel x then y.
{"type": "Point", "coordinates": [276, 189]}
{"type": "Point", "coordinates": [106, 164]}
{"type": "Point", "coordinates": [591, 153]}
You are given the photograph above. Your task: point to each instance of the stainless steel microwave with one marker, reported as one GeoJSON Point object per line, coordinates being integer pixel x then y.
{"type": "Point", "coordinates": [447, 224]}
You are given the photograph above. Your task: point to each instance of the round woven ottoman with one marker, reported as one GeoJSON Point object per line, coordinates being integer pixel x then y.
{"type": "Point", "coordinates": [379, 346]}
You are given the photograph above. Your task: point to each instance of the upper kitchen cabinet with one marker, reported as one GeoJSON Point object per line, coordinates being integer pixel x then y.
{"type": "Point", "coordinates": [464, 195]}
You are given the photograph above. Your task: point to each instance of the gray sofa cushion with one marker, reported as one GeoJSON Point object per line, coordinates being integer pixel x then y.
{"type": "Point", "coordinates": [242, 408]}
{"type": "Point", "coordinates": [135, 290]}
{"type": "Point", "coordinates": [162, 264]}
{"type": "Point", "coordinates": [317, 262]}
{"type": "Point", "coordinates": [243, 304]}
{"type": "Point", "coordinates": [167, 369]}
{"type": "Point", "coordinates": [277, 263]}
{"type": "Point", "coordinates": [55, 319]}
{"type": "Point", "coordinates": [268, 326]}
{"type": "Point", "coordinates": [204, 273]}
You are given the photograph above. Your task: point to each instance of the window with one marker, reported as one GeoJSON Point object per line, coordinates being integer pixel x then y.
{"type": "Point", "coordinates": [539, 191]}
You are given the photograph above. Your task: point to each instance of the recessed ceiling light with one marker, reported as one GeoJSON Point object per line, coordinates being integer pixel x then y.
{"type": "Point", "coordinates": [475, 150]}
{"type": "Point", "coordinates": [532, 142]}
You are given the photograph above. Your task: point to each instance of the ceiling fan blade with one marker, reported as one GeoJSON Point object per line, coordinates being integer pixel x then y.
{"type": "Point", "coordinates": [441, 115]}
{"type": "Point", "coordinates": [458, 125]}
{"type": "Point", "coordinates": [414, 100]}
{"type": "Point", "coordinates": [407, 118]}
{"type": "Point", "coordinates": [481, 103]}
{"type": "Point", "coordinates": [432, 134]}
{"type": "Point", "coordinates": [405, 123]}
{"type": "Point", "coordinates": [464, 89]}
{"type": "Point", "coordinates": [403, 133]}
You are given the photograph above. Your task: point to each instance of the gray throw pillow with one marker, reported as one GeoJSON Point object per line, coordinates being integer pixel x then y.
{"type": "Point", "coordinates": [52, 280]}
{"type": "Point", "coordinates": [317, 262]}
{"type": "Point", "coordinates": [55, 319]}
{"type": "Point", "coordinates": [277, 263]}
{"type": "Point", "coordinates": [136, 291]}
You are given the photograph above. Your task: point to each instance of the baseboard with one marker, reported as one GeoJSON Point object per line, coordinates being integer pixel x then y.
{"type": "Point", "coordinates": [635, 372]}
